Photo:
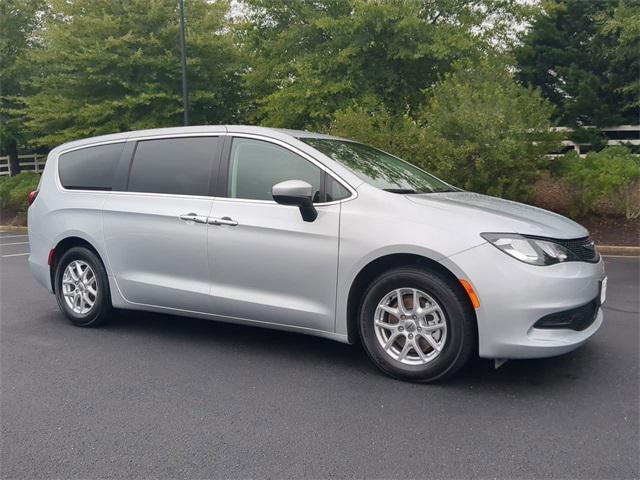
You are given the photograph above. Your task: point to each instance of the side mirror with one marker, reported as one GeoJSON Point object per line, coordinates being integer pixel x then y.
{"type": "Point", "coordinates": [296, 192]}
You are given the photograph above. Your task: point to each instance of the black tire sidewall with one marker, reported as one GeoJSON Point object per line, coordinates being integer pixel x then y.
{"type": "Point", "coordinates": [98, 314]}
{"type": "Point", "coordinates": [457, 315]}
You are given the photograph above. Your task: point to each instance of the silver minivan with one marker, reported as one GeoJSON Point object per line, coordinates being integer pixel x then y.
{"type": "Point", "coordinates": [313, 234]}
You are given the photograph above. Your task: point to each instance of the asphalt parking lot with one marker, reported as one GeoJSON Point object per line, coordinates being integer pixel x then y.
{"type": "Point", "coordinates": [152, 396]}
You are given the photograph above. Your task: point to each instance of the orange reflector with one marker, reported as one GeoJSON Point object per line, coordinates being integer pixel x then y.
{"type": "Point", "coordinates": [472, 295]}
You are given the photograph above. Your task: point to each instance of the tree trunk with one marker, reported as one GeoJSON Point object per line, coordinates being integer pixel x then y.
{"type": "Point", "coordinates": [14, 164]}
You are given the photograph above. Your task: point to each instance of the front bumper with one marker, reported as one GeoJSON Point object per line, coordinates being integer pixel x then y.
{"type": "Point", "coordinates": [514, 296]}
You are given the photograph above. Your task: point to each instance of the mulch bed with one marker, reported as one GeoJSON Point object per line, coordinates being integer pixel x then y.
{"type": "Point", "coordinates": [8, 217]}
{"type": "Point", "coordinates": [613, 230]}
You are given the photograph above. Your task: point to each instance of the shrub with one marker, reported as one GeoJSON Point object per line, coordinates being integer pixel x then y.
{"type": "Point", "coordinates": [374, 125]}
{"type": "Point", "coordinates": [14, 191]}
{"type": "Point", "coordinates": [610, 176]}
{"type": "Point", "coordinates": [487, 133]}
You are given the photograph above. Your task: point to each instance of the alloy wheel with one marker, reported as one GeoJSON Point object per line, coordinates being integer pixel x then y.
{"type": "Point", "coordinates": [79, 287]}
{"type": "Point", "coordinates": [411, 327]}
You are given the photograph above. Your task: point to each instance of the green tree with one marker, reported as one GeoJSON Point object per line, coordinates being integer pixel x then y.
{"type": "Point", "coordinates": [585, 57]}
{"type": "Point", "coordinates": [621, 31]}
{"type": "Point", "coordinates": [18, 21]}
{"type": "Point", "coordinates": [486, 133]}
{"type": "Point", "coordinates": [109, 66]}
{"type": "Point", "coordinates": [311, 58]}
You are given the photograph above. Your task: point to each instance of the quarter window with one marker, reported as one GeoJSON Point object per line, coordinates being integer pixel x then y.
{"type": "Point", "coordinates": [335, 191]}
{"type": "Point", "coordinates": [255, 166]}
{"type": "Point", "coordinates": [180, 166]}
{"type": "Point", "coordinates": [90, 168]}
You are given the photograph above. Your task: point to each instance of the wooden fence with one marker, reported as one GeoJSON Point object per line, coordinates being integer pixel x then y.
{"type": "Point", "coordinates": [28, 163]}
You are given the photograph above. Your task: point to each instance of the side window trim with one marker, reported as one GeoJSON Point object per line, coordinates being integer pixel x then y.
{"type": "Point", "coordinates": [121, 174]}
{"type": "Point", "coordinates": [222, 185]}
{"type": "Point", "coordinates": [323, 187]}
{"type": "Point", "coordinates": [130, 166]}
{"type": "Point", "coordinates": [223, 177]}
{"type": "Point", "coordinates": [217, 165]}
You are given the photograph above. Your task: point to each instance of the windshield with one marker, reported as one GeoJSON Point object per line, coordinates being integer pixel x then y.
{"type": "Point", "coordinates": [378, 168]}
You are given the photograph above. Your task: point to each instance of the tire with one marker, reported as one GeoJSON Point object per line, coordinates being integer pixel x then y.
{"type": "Point", "coordinates": [80, 313]}
{"type": "Point", "coordinates": [451, 345]}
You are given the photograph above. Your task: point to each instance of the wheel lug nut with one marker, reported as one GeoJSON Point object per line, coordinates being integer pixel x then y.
{"type": "Point", "coordinates": [411, 335]}
{"type": "Point", "coordinates": [401, 328]}
{"type": "Point", "coordinates": [419, 329]}
{"type": "Point", "coordinates": [402, 317]}
{"type": "Point", "coordinates": [414, 317]}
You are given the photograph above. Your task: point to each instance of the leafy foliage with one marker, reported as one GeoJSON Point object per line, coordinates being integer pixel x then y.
{"type": "Point", "coordinates": [310, 59]}
{"type": "Point", "coordinates": [588, 136]}
{"type": "Point", "coordinates": [486, 133]}
{"type": "Point", "coordinates": [14, 191]}
{"type": "Point", "coordinates": [611, 175]}
{"type": "Point", "coordinates": [374, 125]}
{"type": "Point", "coordinates": [109, 66]}
{"type": "Point", "coordinates": [585, 58]}
{"type": "Point", "coordinates": [18, 21]}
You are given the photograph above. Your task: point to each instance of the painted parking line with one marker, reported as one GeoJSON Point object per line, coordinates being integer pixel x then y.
{"type": "Point", "coordinates": [13, 236]}
{"type": "Point", "coordinates": [15, 243]}
{"type": "Point", "coordinates": [15, 255]}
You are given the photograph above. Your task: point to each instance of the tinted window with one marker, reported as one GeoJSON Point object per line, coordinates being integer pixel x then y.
{"type": "Point", "coordinates": [173, 165]}
{"type": "Point", "coordinates": [89, 168]}
{"type": "Point", "coordinates": [379, 168]}
{"type": "Point", "coordinates": [256, 166]}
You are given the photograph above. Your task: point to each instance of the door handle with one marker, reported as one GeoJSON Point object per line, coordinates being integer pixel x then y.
{"type": "Point", "coordinates": [222, 221]}
{"type": "Point", "coordinates": [192, 217]}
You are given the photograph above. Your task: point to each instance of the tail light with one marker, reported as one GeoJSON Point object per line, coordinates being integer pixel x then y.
{"type": "Point", "coordinates": [32, 196]}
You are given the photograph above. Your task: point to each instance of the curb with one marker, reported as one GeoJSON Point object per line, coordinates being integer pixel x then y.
{"type": "Point", "coordinates": [619, 250]}
{"type": "Point", "coordinates": [11, 228]}
{"type": "Point", "coordinates": [603, 249]}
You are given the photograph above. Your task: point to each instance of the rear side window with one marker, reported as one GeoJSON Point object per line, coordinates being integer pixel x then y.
{"type": "Point", "coordinates": [89, 168]}
{"type": "Point", "coordinates": [180, 166]}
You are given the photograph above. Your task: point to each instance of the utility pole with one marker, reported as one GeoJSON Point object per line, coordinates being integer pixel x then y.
{"type": "Point", "coordinates": [183, 55]}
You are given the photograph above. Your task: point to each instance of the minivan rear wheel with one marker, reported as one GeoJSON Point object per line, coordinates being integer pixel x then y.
{"type": "Point", "coordinates": [82, 288]}
{"type": "Point", "coordinates": [416, 325]}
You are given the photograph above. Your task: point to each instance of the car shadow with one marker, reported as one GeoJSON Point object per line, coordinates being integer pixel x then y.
{"type": "Point", "coordinates": [295, 347]}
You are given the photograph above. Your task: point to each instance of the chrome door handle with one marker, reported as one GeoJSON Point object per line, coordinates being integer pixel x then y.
{"type": "Point", "coordinates": [222, 221]}
{"type": "Point", "coordinates": [192, 217]}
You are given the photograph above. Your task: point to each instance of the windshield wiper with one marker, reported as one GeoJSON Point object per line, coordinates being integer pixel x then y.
{"type": "Point", "coordinates": [400, 190]}
{"type": "Point", "coordinates": [445, 190]}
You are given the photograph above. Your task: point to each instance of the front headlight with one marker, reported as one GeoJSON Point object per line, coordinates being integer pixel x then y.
{"type": "Point", "coordinates": [534, 251]}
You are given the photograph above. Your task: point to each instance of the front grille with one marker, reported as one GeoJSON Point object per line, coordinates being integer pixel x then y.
{"type": "Point", "coordinates": [579, 318]}
{"type": "Point", "coordinates": [583, 248]}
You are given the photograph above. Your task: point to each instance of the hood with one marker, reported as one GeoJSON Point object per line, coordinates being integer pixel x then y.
{"type": "Point", "coordinates": [491, 214]}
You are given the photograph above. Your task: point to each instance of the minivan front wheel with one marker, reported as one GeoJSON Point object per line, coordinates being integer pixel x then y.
{"type": "Point", "coordinates": [82, 288]}
{"type": "Point", "coordinates": [416, 325]}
